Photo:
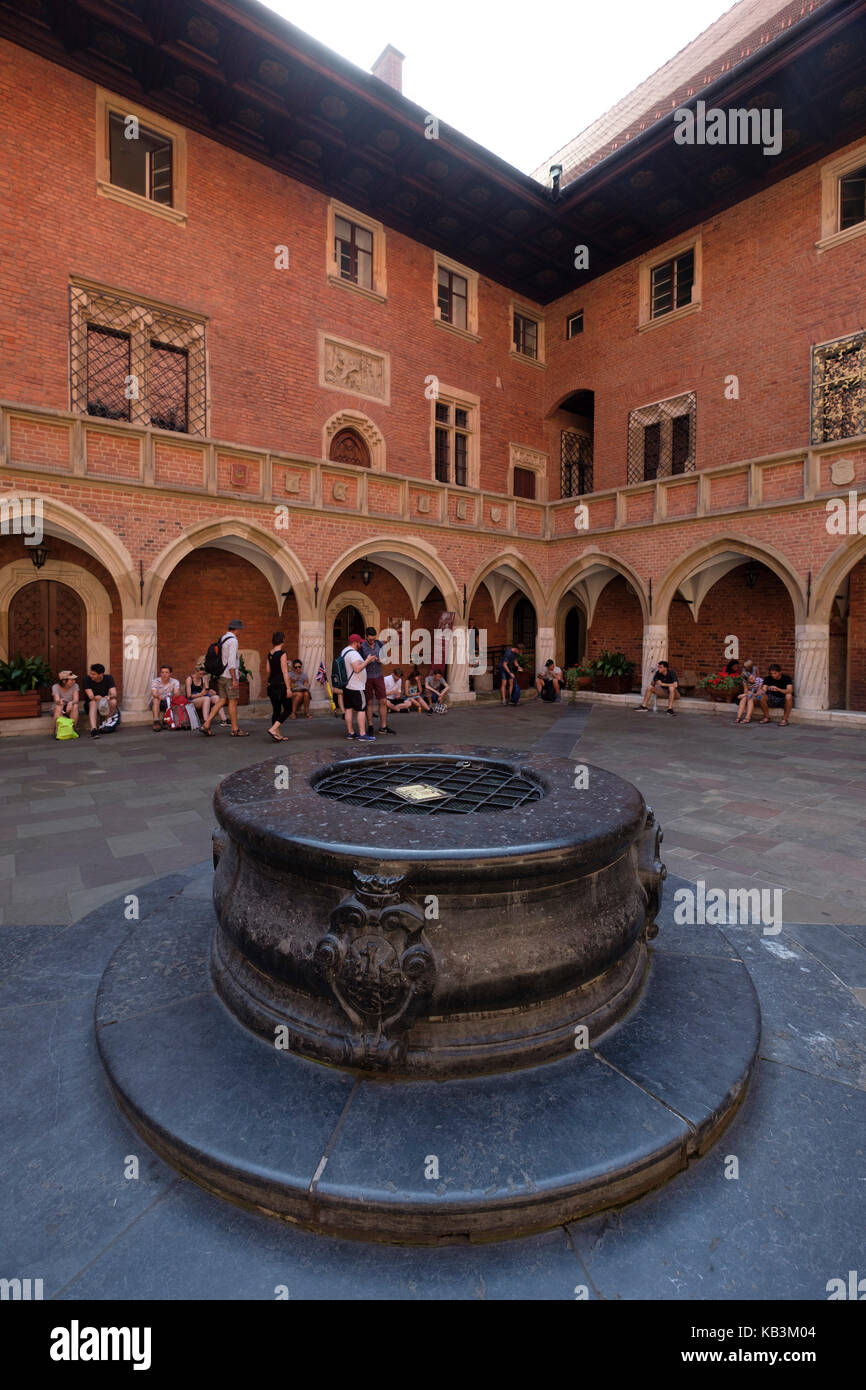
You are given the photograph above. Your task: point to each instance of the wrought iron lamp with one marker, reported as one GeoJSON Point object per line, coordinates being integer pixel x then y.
{"type": "Point", "coordinates": [38, 554]}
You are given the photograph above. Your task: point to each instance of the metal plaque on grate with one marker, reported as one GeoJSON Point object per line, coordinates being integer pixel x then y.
{"type": "Point", "coordinates": [428, 786]}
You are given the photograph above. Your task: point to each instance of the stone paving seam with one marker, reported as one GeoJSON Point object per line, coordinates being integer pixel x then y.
{"type": "Point", "coordinates": [173, 1182]}
{"type": "Point", "coordinates": [332, 1141]}
{"type": "Point", "coordinates": [651, 1094]}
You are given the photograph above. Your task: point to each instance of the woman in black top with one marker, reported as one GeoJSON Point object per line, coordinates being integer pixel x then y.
{"type": "Point", "coordinates": [278, 686]}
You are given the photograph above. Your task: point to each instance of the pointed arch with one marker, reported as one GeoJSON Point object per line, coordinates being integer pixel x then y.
{"type": "Point", "coordinates": [69, 524]}
{"type": "Point", "coordinates": [363, 426]}
{"type": "Point", "coordinates": [833, 573]}
{"type": "Point", "coordinates": [702, 555]}
{"type": "Point", "coordinates": [595, 560]}
{"type": "Point", "coordinates": [521, 576]}
{"type": "Point", "coordinates": [272, 557]}
{"type": "Point", "coordinates": [416, 555]}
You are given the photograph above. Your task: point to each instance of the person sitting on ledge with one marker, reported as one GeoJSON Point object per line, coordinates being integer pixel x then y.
{"type": "Point", "coordinates": [548, 682]}
{"type": "Point", "coordinates": [752, 691]}
{"type": "Point", "coordinates": [394, 697]}
{"type": "Point", "coordinates": [65, 695]}
{"type": "Point", "coordinates": [663, 682]}
{"type": "Point", "coordinates": [777, 693]}
{"type": "Point", "coordinates": [436, 688]}
{"type": "Point", "coordinates": [101, 694]}
{"type": "Point", "coordinates": [162, 687]}
{"type": "Point", "coordinates": [299, 689]}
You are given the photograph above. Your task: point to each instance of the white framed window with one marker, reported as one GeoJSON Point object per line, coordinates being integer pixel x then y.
{"type": "Point", "coordinates": [455, 437]}
{"type": "Point", "coordinates": [141, 158]}
{"type": "Point", "coordinates": [356, 251]}
{"type": "Point", "coordinates": [670, 283]}
{"type": "Point", "coordinates": [455, 296]}
{"type": "Point", "coordinates": [843, 199]}
{"type": "Point", "coordinates": [527, 333]}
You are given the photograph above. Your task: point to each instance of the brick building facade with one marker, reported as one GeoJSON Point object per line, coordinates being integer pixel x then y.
{"type": "Point", "coordinates": [283, 356]}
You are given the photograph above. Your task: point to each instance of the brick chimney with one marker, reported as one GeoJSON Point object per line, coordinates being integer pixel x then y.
{"type": "Point", "coordinates": [389, 67]}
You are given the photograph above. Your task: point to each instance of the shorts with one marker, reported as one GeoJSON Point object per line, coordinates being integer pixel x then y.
{"type": "Point", "coordinates": [354, 699]}
{"type": "Point", "coordinates": [774, 700]}
{"type": "Point", "coordinates": [226, 689]}
{"type": "Point", "coordinates": [376, 686]}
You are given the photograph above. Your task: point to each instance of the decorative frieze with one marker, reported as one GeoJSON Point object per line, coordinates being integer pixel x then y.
{"type": "Point", "coordinates": [352, 367]}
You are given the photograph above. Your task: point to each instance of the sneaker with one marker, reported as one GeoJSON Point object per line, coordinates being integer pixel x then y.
{"type": "Point", "coordinates": [94, 733]}
{"type": "Point", "coordinates": [349, 737]}
{"type": "Point", "coordinates": [641, 709]}
{"type": "Point", "coordinates": [387, 729]}
{"type": "Point", "coordinates": [366, 738]}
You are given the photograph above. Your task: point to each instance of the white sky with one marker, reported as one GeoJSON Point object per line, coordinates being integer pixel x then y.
{"type": "Point", "coordinates": [521, 78]}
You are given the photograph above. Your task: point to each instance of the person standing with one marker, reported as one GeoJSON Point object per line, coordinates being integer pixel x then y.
{"type": "Point", "coordinates": [508, 670]}
{"type": "Point", "coordinates": [65, 695]}
{"type": "Point", "coordinates": [101, 694]}
{"type": "Point", "coordinates": [299, 689]}
{"type": "Point", "coordinates": [354, 692]}
{"type": "Point", "coordinates": [278, 685]}
{"type": "Point", "coordinates": [371, 648]}
{"type": "Point", "coordinates": [228, 684]}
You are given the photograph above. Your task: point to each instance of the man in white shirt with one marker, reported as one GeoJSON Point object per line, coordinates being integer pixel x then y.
{"type": "Point", "coordinates": [395, 699]}
{"type": "Point", "coordinates": [162, 687]}
{"type": "Point", "coordinates": [354, 696]}
{"type": "Point", "coordinates": [548, 682]}
{"type": "Point", "coordinates": [228, 688]}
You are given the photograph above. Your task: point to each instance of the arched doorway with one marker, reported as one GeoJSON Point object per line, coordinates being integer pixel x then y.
{"type": "Point", "coordinates": [48, 619]}
{"type": "Point", "coordinates": [523, 625]}
{"type": "Point", "coordinates": [347, 622]}
{"type": "Point", "coordinates": [574, 644]}
{"type": "Point", "coordinates": [347, 446]}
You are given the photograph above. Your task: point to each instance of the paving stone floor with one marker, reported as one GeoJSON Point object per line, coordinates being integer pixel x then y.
{"type": "Point", "coordinates": [81, 825]}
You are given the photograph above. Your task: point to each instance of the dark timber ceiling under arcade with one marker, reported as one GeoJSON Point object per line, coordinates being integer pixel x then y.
{"type": "Point", "coordinates": [241, 75]}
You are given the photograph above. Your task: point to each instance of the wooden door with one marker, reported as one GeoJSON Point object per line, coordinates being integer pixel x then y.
{"type": "Point", "coordinates": [348, 620]}
{"type": "Point", "coordinates": [47, 619]}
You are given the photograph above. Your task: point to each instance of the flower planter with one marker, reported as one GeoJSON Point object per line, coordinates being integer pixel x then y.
{"type": "Point", "coordinates": [14, 705]}
{"type": "Point", "coordinates": [584, 682]}
{"type": "Point", "coordinates": [244, 696]}
{"type": "Point", "coordinates": [614, 685]}
{"type": "Point", "coordinates": [721, 697]}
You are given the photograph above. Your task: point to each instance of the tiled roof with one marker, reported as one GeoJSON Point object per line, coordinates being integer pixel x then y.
{"type": "Point", "coordinates": [745, 28]}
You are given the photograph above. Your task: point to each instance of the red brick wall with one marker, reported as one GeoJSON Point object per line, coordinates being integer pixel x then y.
{"type": "Point", "coordinates": [264, 323]}
{"type": "Point", "coordinates": [617, 624]}
{"type": "Point", "coordinates": [201, 596]}
{"type": "Point", "coordinates": [857, 638]}
{"type": "Point", "coordinates": [759, 253]}
{"type": "Point", "coordinates": [762, 619]}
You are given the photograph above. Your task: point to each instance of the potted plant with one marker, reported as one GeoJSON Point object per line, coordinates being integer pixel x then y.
{"type": "Point", "coordinates": [612, 673]}
{"type": "Point", "coordinates": [578, 678]}
{"type": "Point", "coordinates": [721, 688]}
{"type": "Point", "coordinates": [20, 682]}
{"type": "Point", "coordinates": [243, 683]}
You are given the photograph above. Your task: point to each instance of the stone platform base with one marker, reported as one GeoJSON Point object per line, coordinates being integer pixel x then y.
{"type": "Point", "coordinates": [423, 1162]}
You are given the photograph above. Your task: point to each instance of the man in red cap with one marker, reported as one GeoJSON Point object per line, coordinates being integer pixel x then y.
{"type": "Point", "coordinates": [354, 693]}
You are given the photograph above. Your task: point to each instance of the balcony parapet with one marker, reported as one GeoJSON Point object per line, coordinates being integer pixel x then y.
{"type": "Point", "coordinates": [40, 441]}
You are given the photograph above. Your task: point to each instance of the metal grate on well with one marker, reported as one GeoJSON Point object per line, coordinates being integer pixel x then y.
{"type": "Point", "coordinates": [428, 786]}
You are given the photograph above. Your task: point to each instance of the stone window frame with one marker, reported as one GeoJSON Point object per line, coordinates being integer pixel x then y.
{"type": "Point", "coordinates": [832, 174]}
{"type": "Point", "coordinates": [662, 412]}
{"type": "Point", "coordinates": [471, 277]}
{"type": "Point", "coordinates": [527, 311]}
{"type": "Point", "coordinates": [533, 461]}
{"type": "Point", "coordinates": [649, 263]}
{"type": "Point", "coordinates": [462, 400]}
{"type": "Point", "coordinates": [103, 306]}
{"type": "Point", "coordinates": [379, 291]}
{"type": "Point", "coordinates": [108, 103]}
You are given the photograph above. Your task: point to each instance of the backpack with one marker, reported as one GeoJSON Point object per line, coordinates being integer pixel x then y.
{"type": "Point", "coordinates": [338, 673]}
{"type": "Point", "coordinates": [548, 692]}
{"type": "Point", "coordinates": [65, 727]}
{"type": "Point", "coordinates": [176, 715]}
{"type": "Point", "coordinates": [110, 724]}
{"type": "Point", "coordinates": [213, 658]}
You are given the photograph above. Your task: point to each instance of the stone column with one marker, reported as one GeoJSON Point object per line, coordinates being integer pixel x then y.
{"type": "Point", "coordinates": [545, 648]}
{"type": "Point", "coordinates": [139, 666]}
{"type": "Point", "coordinates": [458, 667]}
{"type": "Point", "coordinates": [311, 639]}
{"type": "Point", "coordinates": [812, 666]}
{"type": "Point", "coordinates": [655, 649]}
